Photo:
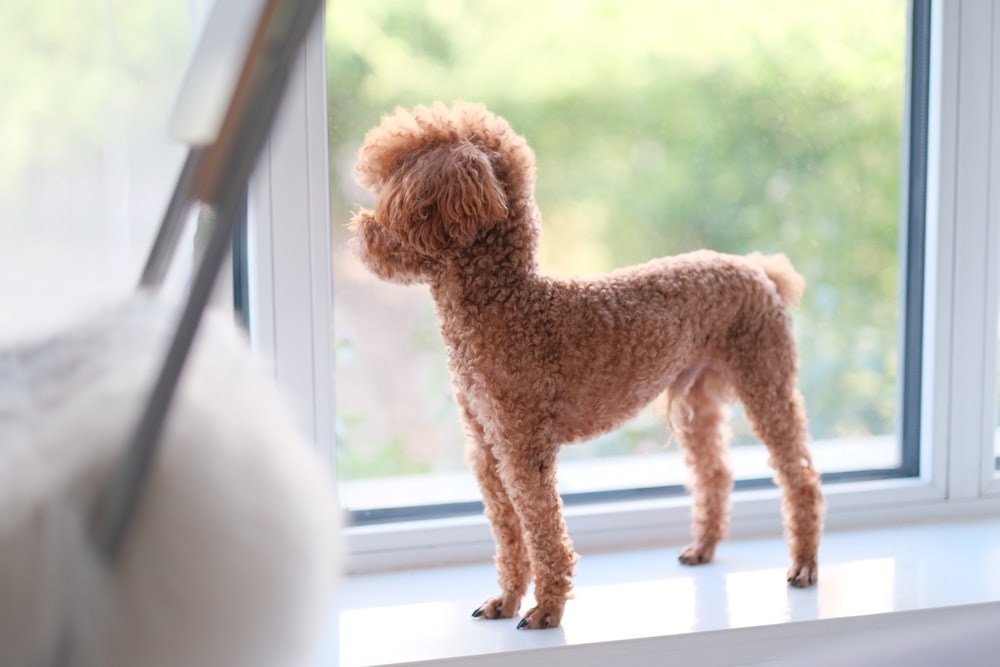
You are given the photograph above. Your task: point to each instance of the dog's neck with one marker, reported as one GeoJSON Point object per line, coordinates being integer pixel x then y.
{"type": "Point", "coordinates": [479, 283]}
{"type": "Point", "coordinates": [487, 272]}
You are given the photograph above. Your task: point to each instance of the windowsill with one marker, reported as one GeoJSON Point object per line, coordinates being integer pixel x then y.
{"type": "Point", "coordinates": [642, 607]}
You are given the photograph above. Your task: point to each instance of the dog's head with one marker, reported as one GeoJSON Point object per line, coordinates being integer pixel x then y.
{"type": "Point", "coordinates": [441, 197]}
{"type": "Point", "coordinates": [442, 178]}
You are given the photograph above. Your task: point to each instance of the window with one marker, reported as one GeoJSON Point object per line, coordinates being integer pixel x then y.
{"type": "Point", "coordinates": [657, 130]}
{"type": "Point", "coordinates": [950, 462]}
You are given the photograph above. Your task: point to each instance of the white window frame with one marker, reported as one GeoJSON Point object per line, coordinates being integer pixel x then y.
{"type": "Point", "coordinates": [291, 296]}
{"type": "Point", "coordinates": [966, 139]}
{"type": "Point", "coordinates": [291, 315]}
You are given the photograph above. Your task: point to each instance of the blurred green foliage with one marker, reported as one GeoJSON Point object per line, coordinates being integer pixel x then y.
{"type": "Point", "coordinates": [662, 127]}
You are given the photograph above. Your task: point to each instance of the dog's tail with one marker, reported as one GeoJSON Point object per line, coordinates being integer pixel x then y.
{"type": "Point", "coordinates": [789, 283]}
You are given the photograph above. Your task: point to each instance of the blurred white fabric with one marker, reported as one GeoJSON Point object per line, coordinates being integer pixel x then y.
{"type": "Point", "coordinates": [232, 555]}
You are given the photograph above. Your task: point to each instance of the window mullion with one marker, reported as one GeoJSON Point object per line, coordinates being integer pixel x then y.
{"type": "Point", "coordinates": [990, 477]}
{"type": "Point", "coordinates": [291, 311]}
{"type": "Point", "coordinates": [968, 335]}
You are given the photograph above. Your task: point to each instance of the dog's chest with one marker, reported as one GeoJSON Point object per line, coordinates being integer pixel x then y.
{"type": "Point", "coordinates": [494, 351]}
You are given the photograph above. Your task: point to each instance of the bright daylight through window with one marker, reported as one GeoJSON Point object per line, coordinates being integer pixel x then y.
{"type": "Point", "coordinates": [658, 128]}
{"type": "Point", "coordinates": [85, 166]}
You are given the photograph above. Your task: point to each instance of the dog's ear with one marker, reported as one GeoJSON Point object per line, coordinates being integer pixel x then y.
{"type": "Point", "coordinates": [443, 197]}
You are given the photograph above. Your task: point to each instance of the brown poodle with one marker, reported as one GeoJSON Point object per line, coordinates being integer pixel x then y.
{"type": "Point", "coordinates": [539, 362]}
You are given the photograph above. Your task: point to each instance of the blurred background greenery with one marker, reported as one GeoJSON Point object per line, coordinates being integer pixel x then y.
{"type": "Point", "coordinates": [659, 127]}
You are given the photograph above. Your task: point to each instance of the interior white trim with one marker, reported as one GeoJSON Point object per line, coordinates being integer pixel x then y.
{"type": "Point", "coordinates": [965, 243]}
{"type": "Point", "coordinates": [990, 477]}
{"type": "Point", "coordinates": [291, 292]}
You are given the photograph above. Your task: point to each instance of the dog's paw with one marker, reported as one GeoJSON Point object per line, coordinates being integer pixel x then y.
{"type": "Point", "coordinates": [803, 575]}
{"type": "Point", "coordinates": [541, 617]}
{"type": "Point", "coordinates": [696, 554]}
{"type": "Point", "coordinates": [504, 605]}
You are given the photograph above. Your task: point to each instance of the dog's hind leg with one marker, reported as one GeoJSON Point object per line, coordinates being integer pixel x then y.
{"type": "Point", "coordinates": [765, 384]}
{"type": "Point", "coordinates": [513, 568]}
{"type": "Point", "coordinates": [698, 419]}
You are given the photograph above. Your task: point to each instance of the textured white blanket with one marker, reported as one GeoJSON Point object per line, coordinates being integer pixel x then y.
{"type": "Point", "coordinates": [232, 556]}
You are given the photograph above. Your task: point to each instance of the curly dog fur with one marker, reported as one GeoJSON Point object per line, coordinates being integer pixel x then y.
{"type": "Point", "coordinates": [539, 362]}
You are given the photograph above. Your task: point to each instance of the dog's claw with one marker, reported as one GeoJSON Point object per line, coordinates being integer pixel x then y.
{"type": "Point", "coordinates": [526, 624]}
{"type": "Point", "coordinates": [501, 606]}
{"type": "Point", "coordinates": [696, 554]}
{"type": "Point", "coordinates": [481, 612]}
{"type": "Point", "coordinates": [538, 619]}
{"type": "Point", "coordinates": [802, 582]}
{"type": "Point", "coordinates": [802, 575]}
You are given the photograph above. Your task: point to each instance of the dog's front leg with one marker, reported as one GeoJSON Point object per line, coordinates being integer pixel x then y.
{"type": "Point", "coordinates": [513, 568]}
{"type": "Point", "coordinates": [530, 479]}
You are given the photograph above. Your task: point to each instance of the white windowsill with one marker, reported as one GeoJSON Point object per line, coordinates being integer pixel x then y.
{"type": "Point", "coordinates": [642, 607]}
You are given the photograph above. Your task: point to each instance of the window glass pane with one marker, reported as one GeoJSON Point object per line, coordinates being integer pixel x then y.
{"type": "Point", "coordinates": [658, 128]}
{"type": "Point", "coordinates": [85, 166]}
